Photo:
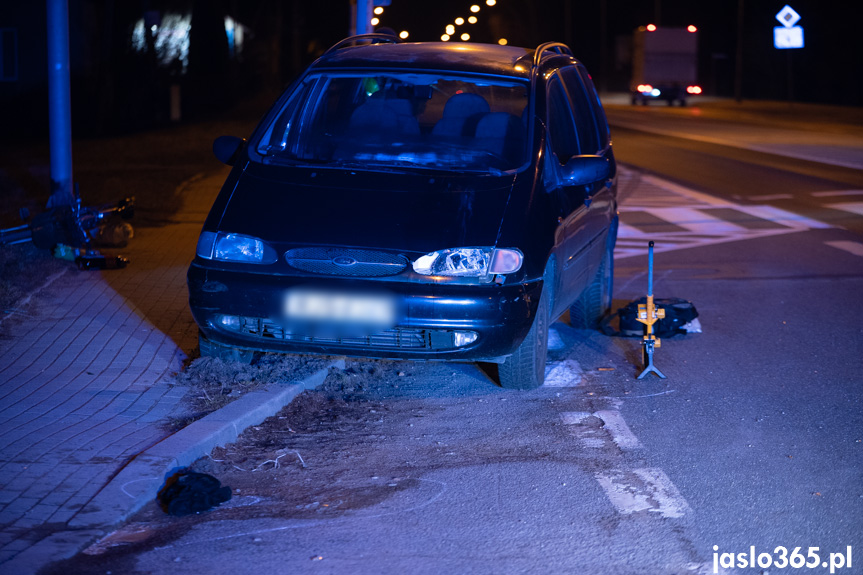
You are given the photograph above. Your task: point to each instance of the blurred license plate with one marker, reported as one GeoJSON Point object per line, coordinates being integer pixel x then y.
{"type": "Point", "coordinates": [328, 308]}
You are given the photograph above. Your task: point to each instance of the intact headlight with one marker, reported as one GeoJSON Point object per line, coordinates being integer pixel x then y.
{"type": "Point", "coordinates": [228, 247]}
{"type": "Point", "coordinates": [469, 262]}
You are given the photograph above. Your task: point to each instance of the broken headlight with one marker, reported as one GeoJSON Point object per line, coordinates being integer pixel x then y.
{"type": "Point", "coordinates": [469, 262]}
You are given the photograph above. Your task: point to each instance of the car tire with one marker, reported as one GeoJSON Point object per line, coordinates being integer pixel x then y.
{"type": "Point", "coordinates": [595, 301]}
{"type": "Point", "coordinates": [525, 368]}
{"type": "Point", "coordinates": [210, 348]}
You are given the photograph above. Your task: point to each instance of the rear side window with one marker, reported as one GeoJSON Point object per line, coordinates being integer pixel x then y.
{"type": "Point", "coordinates": [598, 112]}
{"type": "Point", "coordinates": [583, 110]}
{"type": "Point", "coordinates": [561, 126]}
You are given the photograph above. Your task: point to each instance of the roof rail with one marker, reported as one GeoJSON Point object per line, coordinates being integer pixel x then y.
{"type": "Point", "coordinates": [556, 47]}
{"type": "Point", "coordinates": [553, 48]}
{"type": "Point", "coordinates": [359, 38]}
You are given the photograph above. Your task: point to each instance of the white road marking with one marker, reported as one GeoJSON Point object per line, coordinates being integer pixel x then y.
{"type": "Point", "coordinates": [691, 211]}
{"type": "Point", "coordinates": [853, 207]}
{"type": "Point", "coordinates": [838, 193]}
{"type": "Point", "coordinates": [698, 221]}
{"type": "Point", "coordinates": [620, 432]}
{"type": "Point", "coordinates": [686, 192]}
{"type": "Point", "coordinates": [591, 437]}
{"type": "Point", "coordinates": [855, 248]}
{"type": "Point", "coordinates": [785, 218]}
{"type": "Point", "coordinates": [612, 422]}
{"type": "Point", "coordinates": [574, 417]}
{"type": "Point", "coordinates": [566, 373]}
{"type": "Point", "coordinates": [645, 489]}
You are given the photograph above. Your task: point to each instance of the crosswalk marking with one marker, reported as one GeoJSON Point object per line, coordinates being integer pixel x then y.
{"type": "Point", "coordinates": [699, 221]}
{"type": "Point", "coordinates": [685, 192]}
{"type": "Point", "coordinates": [791, 220]}
{"type": "Point", "coordinates": [676, 217]}
{"type": "Point", "coordinates": [853, 207]}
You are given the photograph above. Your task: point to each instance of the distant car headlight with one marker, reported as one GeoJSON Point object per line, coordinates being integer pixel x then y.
{"type": "Point", "coordinates": [469, 262]}
{"type": "Point", "coordinates": [228, 247]}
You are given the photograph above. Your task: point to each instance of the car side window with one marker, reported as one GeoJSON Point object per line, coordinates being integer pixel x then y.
{"type": "Point", "coordinates": [276, 137]}
{"type": "Point", "coordinates": [598, 112]}
{"type": "Point", "coordinates": [561, 128]}
{"type": "Point", "coordinates": [585, 122]}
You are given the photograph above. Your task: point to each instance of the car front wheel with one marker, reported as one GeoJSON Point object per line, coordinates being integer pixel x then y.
{"type": "Point", "coordinates": [525, 368]}
{"type": "Point", "coordinates": [592, 305]}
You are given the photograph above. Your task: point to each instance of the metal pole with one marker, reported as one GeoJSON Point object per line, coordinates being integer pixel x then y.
{"type": "Point", "coordinates": [738, 61]}
{"type": "Point", "coordinates": [364, 16]}
{"type": "Point", "coordinates": [790, 78]}
{"type": "Point", "coordinates": [59, 103]}
{"type": "Point", "coordinates": [650, 269]}
{"type": "Point", "coordinates": [603, 46]}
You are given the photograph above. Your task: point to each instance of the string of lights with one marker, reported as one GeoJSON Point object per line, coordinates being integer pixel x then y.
{"type": "Point", "coordinates": [451, 30]}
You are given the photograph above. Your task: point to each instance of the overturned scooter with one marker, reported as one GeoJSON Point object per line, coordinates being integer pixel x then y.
{"type": "Point", "coordinates": [69, 232]}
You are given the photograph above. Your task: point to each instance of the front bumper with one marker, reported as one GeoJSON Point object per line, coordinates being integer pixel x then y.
{"type": "Point", "coordinates": [245, 310]}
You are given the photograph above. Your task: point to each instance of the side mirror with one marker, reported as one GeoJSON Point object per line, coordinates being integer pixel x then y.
{"type": "Point", "coordinates": [226, 148]}
{"type": "Point", "coordinates": [583, 170]}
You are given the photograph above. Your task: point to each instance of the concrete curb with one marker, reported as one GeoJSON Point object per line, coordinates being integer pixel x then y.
{"type": "Point", "coordinates": [137, 483]}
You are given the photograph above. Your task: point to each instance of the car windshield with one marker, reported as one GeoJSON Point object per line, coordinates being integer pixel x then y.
{"type": "Point", "coordinates": [387, 119]}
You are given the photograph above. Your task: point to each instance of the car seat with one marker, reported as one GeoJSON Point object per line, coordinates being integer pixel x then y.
{"type": "Point", "coordinates": [460, 115]}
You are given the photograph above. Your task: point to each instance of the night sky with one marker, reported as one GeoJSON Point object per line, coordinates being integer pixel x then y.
{"type": "Point", "coordinates": [117, 86]}
{"type": "Point", "coordinates": [827, 69]}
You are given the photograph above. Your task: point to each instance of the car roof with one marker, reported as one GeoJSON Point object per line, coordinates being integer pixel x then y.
{"type": "Point", "coordinates": [457, 57]}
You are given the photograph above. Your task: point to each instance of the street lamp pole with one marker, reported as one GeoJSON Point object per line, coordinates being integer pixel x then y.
{"type": "Point", "coordinates": [603, 46]}
{"type": "Point", "coordinates": [59, 104]}
{"type": "Point", "coordinates": [362, 16]}
{"type": "Point", "coordinates": [738, 60]}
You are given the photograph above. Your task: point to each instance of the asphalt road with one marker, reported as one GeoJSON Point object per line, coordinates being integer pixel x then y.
{"type": "Point", "coordinates": [753, 442]}
{"type": "Point", "coordinates": [763, 434]}
{"type": "Point", "coordinates": [743, 175]}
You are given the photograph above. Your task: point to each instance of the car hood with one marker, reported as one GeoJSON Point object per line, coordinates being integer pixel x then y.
{"type": "Point", "coordinates": [384, 210]}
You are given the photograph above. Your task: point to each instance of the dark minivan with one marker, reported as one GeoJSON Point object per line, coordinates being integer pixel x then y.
{"type": "Point", "coordinates": [430, 201]}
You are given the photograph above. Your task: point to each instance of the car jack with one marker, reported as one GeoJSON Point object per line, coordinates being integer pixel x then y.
{"type": "Point", "coordinates": [649, 314]}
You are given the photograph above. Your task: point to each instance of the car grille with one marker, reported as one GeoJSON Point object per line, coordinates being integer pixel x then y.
{"type": "Point", "coordinates": [395, 338]}
{"type": "Point", "coordinates": [346, 262]}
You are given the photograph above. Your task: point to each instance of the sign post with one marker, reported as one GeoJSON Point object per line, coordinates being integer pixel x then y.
{"type": "Point", "coordinates": [788, 36]}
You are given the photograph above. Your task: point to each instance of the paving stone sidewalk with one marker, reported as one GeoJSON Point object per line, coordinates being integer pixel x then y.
{"type": "Point", "coordinates": [85, 371]}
